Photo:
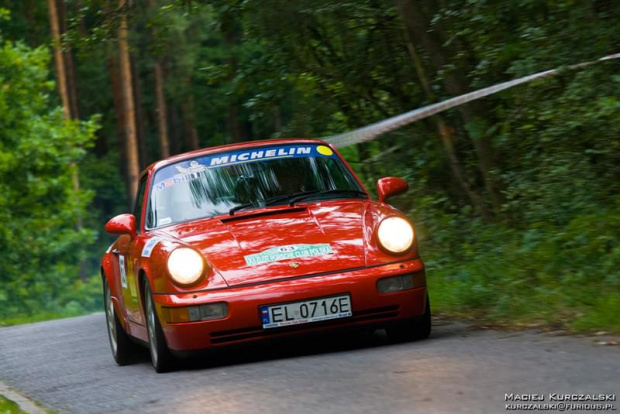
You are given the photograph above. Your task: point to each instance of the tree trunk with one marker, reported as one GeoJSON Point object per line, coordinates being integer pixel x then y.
{"type": "Point", "coordinates": [162, 111]}
{"type": "Point", "coordinates": [72, 85]}
{"type": "Point", "coordinates": [175, 139]}
{"type": "Point", "coordinates": [131, 142]}
{"type": "Point", "coordinates": [162, 121]}
{"type": "Point", "coordinates": [446, 135]}
{"type": "Point", "coordinates": [58, 59]}
{"type": "Point", "coordinates": [82, 28]}
{"type": "Point", "coordinates": [66, 105]}
{"type": "Point", "coordinates": [140, 118]}
{"type": "Point", "coordinates": [117, 99]}
{"type": "Point", "coordinates": [30, 14]}
{"type": "Point", "coordinates": [229, 29]}
{"type": "Point", "coordinates": [455, 83]}
{"type": "Point", "coordinates": [68, 60]}
{"type": "Point", "coordinates": [191, 133]}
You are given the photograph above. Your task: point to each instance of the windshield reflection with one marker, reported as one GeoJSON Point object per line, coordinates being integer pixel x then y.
{"type": "Point", "coordinates": [196, 192]}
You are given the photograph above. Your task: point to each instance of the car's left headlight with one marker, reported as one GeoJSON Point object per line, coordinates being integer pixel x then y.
{"type": "Point", "coordinates": [395, 235]}
{"type": "Point", "coordinates": [185, 265]}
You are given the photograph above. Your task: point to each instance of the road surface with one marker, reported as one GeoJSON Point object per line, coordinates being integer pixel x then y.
{"type": "Point", "coordinates": [66, 365]}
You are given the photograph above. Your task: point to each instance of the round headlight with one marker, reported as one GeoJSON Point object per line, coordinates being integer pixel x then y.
{"type": "Point", "coordinates": [395, 235]}
{"type": "Point", "coordinates": [185, 265]}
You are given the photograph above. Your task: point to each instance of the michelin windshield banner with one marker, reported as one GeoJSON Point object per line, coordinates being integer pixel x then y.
{"type": "Point", "coordinates": [188, 170]}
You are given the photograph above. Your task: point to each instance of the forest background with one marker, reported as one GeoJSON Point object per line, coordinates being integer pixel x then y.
{"type": "Point", "coordinates": [515, 197]}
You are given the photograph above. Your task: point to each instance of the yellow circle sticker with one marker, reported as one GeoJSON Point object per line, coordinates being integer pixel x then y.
{"type": "Point", "coordinates": [323, 150]}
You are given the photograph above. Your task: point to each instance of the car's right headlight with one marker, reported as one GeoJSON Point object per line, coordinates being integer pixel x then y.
{"type": "Point", "coordinates": [185, 265]}
{"type": "Point", "coordinates": [395, 235]}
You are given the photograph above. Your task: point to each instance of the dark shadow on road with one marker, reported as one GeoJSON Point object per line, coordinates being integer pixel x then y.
{"type": "Point", "coordinates": [284, 348]}
{"type": "Point", "coordinates": [303, 346]}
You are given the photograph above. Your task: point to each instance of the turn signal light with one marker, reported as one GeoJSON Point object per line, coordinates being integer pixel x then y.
{"type": "Point", "coordinates": [206, 312]}
{"type": "Point", "coordinates": [395, 284]}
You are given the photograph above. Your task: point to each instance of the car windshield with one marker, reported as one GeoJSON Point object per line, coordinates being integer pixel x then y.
{"type": "Point", "coordinates": [226, 182]}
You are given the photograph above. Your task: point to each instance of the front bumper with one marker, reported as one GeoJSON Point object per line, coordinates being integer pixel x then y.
{"type": "Point", "coordinates": [243, 322]}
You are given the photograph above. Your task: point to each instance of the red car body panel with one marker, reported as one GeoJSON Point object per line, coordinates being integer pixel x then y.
{"type": "Point", "coordinates": [347, 225]}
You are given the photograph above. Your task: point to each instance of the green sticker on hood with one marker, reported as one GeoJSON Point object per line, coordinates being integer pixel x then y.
{"type": "Point", "coordinates": [290, 251]}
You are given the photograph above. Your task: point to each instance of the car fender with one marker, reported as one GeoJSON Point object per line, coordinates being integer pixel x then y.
{"type": "Point", "coordinates": [145, 275]}
{"type": "Point", "coordinates": [373, 215]}
{"type": "Point", "coordinates": [108, 263]}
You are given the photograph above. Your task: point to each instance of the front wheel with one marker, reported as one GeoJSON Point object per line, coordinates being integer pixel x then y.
{"type": "Point", "coordinates": [413, 329]}
{"type": "Point", "coordinates": [161, 357]}
{"type": "Point", "coordinates": [123, 350]}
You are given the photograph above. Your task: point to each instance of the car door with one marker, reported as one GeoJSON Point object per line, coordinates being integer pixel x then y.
{"type": "Point", "coordinates": [130, 257]}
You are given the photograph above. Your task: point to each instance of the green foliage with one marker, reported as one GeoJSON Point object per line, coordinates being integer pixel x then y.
{"type": "Point", "coordinates": [545, 273]}
{"type": "Point", "coordinates": [550, 256]}
{"type": "Point", "coordinates": [39, 206]}
{"type": "Point", "coordinates": [9, 407]}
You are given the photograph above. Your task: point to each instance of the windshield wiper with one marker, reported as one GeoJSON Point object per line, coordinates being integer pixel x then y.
{"type": "Point", "coordinates": [320, 193]}
{"type": "Point", "coordinates": [256, 203]}
{"type": "Point", "coordinates": [271, 201]}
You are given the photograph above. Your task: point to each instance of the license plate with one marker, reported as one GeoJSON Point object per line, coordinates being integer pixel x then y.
{"type": "Point", "coordinates": [308, 311]}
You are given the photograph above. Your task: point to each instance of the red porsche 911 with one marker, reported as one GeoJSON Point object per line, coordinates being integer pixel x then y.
{"type": "Point", "coordinates": [258, 240]}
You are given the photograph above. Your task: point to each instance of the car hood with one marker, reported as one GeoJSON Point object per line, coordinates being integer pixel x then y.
{"type": "Point", "coordinates": [279, 242]}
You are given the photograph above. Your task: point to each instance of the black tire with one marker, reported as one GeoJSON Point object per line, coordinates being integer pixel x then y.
{"type": "Point", "coordinates": [123, 349]}
{"type": "Point", "coordinates": [413, 329]}
{"type": "Point", "coordinates": [161, 357]}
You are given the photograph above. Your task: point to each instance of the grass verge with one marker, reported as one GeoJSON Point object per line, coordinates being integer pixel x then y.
{"type": "Point", "coordinates": [543, 307]}
{"type": "Point", "coordinates": [9, 407]}
{"type": "Point", "coordinates": [38, 317]}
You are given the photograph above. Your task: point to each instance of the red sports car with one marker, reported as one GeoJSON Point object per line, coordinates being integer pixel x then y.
{"type": "Point", "coordinates": [258, 240]}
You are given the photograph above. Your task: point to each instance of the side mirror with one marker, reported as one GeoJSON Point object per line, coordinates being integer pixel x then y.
{"type": "Point", "coordinates": [390, 186]}
{"type": "Point", "coordinates": [122, 224]}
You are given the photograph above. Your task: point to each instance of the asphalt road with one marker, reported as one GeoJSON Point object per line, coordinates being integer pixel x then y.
{"type": "Point", "coordinates": [67, 366]}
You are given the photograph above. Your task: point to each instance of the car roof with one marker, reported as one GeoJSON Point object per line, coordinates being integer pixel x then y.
{"type": "Point", "coordinates": [228, 147]}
